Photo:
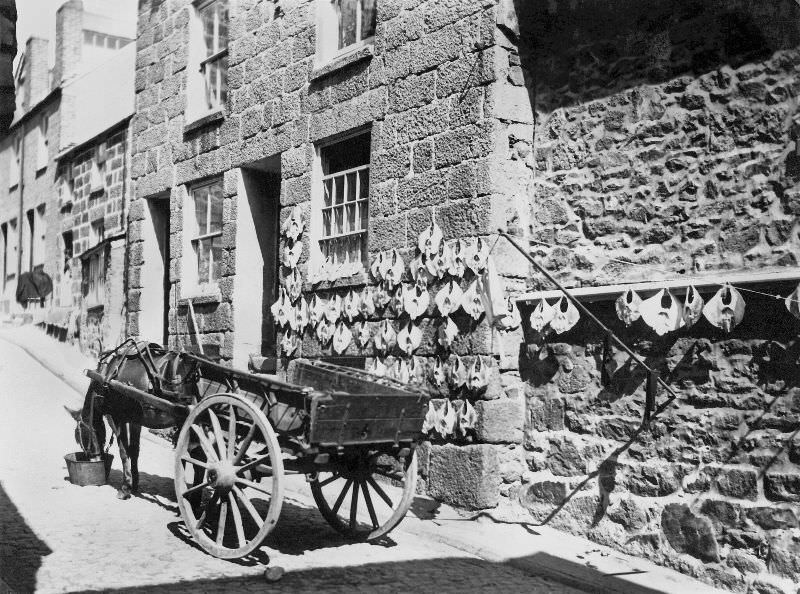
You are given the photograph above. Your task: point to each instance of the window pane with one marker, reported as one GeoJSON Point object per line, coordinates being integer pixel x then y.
{"type": "Point", "coordinates": [328, 191]}
{"type": "Point", "coordinates": [201, 209]}
{"type": "Point", "coordinates": [212, 84]}
{"type": "Point", "coordinates": [351, 218]}
{"type": "Point", "coordinates": [222, 38]}
{"type": "Point", "coordinates": [338, 222]}
{"type": "Point", "coordinates": [326, 223]}
{"type": "Point", "coordinates": [215, 196]}
{"type": "Point", "coordinates": [363, 211]}
{"type": "Point", "coordinates": [222, 98]}
{"type": "Point", "coordinates": [207, 16]}
{"type": "Point", "coordinates": [351, 186]}
{"type": "Point", "coordinates": [367, 18]}
{"type": "Point", "coordinates": [203, 260]}
{"type": "Point", "coordinates": [339, 190]}
{"type": "Point", "coordinates": [216, 257]}
{"type": "Point", "coordinates": [347, 22]}
{"type": "Point", "coordinates": [363, 189]}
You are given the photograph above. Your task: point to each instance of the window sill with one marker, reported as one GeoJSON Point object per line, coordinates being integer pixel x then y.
{"type": "Point", "coordinates": [200, 296]}
{"type": "Point", "coordinates": [40, 170]}
{"type": "Point", "coordinates": [365, 52]}
{"type": "Point", "coordinates": [361, 278]}
{"type": "Point", "coordinates": [12, 187]}
{"type": "Point", "coordinates": [95, 308]}
{"type": "Point", "coordinates": [206, 120]}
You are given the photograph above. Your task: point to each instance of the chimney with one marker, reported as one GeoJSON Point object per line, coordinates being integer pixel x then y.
{"type": "Point", "coordinates": [37, 71]}
{"type": "Point", "coordinates": [69, 40]}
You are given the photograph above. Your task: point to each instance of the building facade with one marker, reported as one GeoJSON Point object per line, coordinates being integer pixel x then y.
{"type": "Point", "coordinates": [280, 149]}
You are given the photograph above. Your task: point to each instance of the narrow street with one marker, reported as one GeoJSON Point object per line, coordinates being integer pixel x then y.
{"type": "Point", "coordinates": [57, 537]}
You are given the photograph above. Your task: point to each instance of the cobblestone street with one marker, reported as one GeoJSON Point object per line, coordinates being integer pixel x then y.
{"type": "Point", "coordinates": [57, 537]}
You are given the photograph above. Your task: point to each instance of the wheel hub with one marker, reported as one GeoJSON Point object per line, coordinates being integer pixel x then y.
{"type": "Point", "coordinates": [222, 475]}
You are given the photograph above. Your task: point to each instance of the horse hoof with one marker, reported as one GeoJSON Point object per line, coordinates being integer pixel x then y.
{"type": "Point", "coordinates": [123, 495]}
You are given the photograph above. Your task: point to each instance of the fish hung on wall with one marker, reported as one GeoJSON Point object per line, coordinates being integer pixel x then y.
{"type": "Point", "coordinates": [458, 259]}
{"type": "Point", "coordinates": [341, 337]}
{"type": "Point", "coordinates": [457, 372]}
{"type": "Point", "coordinates": [333, 309]}
{"type": "Point", "coordinates": [477, 255]}
{"type": "Point", "coordinates": [377, 266]}
{"type": "Point", "coordinates": [385, 338]}
{"type": "Point", "coordinates": [446, 333]}
{"type": "Point", "coordinates": [416, 370]}
{"type": "Point", "coordinates": [467, 417]}
{"type": "Point", "coordinates": [471, 302]}
{"type": "Point", "coordinates": [725, 309]}
{"type": "Point", "coordinates": [351, 307]}
{"type": "Point", "coordinates": [361, 334]}
{"type": "Point", "coordinates": [430, 239]}
{"type": "Point", "coordinates": [627, 306]}
{"type": "Point", "coordinates": [692, 306]}
{"type": "Point", "coordinates": [419, 271]}
{"type": "Point", "coordinates": [415, 301]}
{"type": "Point", "coordinates": [281, 309]}
{"type": "Point", "coordinates": [290, 343]}
{"type": "Point", "coordinates": [431, 418]}
{"type": "Point", "coordinates": [446, 424]}
{"type": "Point", "coordinates": [792, 302]}
{"type": "Point", "coordinates": [294, 224]}
{"type": "Point", "coordinates": [378, 367]}
{"type": "Point", "coordinates": [542, 315]}
{"type": "Point", "coordinates": [290, 255]}
{"type": "Point", "coordinates": [478, 376]}
{"type": "Point", "coordinates": [449, 298]}
{"type": "Point", "coordinates": [316, 310]}
{"type": "Point", "coordinates": [662, 312]}
{"type": "Point", "coordinates": [565, 315]}
{"type": "Point", "coordinates": [409, 337]}
{"type": "Point", "coordinates": [294, 285]}
{"type": "Point", "coordinates": [367, 301]}
{"type": "Point", "coordinates": [397, 300]}
{"type": "Point", "coordinates": [393, 268]}
{"type": "Point", "coordinates": [440, 261]}
{"type": "Point", "coordinates": [300, 316]}
{"type": "Point", "coordinates": [438, 373]}
{"type": "Point", "coordinates": [510, 318]}
{"type": "Point", "coordinates": [382, 295]}
{"type": "Point", "coordinates": [400, 371]}
{"type": "Point", "coordinates": [325, 331]}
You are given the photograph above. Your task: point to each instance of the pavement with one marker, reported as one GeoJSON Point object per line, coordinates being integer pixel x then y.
{"type": "Point", "coordinates": [58, 537]}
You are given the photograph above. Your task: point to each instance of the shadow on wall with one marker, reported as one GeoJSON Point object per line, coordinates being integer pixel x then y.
{"type": "Point", "coordinates": [21, 551]}
{"type": "Point", "coordinates": [583, 50]}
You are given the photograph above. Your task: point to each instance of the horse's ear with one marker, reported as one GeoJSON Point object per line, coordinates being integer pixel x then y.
{"type": "Point", "coordinates": [75, 414]}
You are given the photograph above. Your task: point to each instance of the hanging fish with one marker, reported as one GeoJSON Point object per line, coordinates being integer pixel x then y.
{"type": "Point", "coordinates": [282, 308]}
{"type": "Point", "coordinates": [415, 301]}
{"type": "Point", "coordinates": [491, 291]}
{"type": "Point", "coordinates": [341, 337]}
{"type": "Point", "coordinates": [438, 373]}
{"type": "Point", "coordinates": [477, 255]}
{"type": "Point", "coordinates": [792, 302]}
{"type": "Point", "coordinates": [394, 271]}
{"type": "Point", "coordinates": [457, 372]}
{"type": "Point", "coordinates": [662, 312]}
{"type": "Point", "coordinates": [431, 419]}
{"type": "Point", "coordinates": [725, 309]}
{"type": "Point", "coordinates": [316, 310]}
{"type": "Point", "coordinates": [446, 333]}
{"type": "Point", "coordinates": [291, 252]}
{"type": "Point", "coordinates": [429, 240]}
{"type": "Point", "coordinates": [378, 367]}
{"type": "Point", "coordinates": [449, 298]}
{"type": "Point", "coordinates": [290, 343]}
{"type": "Point", "coordinates": [447, 420]}
{"type": "Point", "coordinates": [439, 262]}
{"type": "Point", "coordinates": [367, 301]}
{"type": "Point", "coordinates": [628, 305]}
{"type": "Point", "coordinates": [472, 302]}
{"type": "Point", "coordinates": [325, 331]}
{"type": "Point", "coordinates": [333, 309]}
{"type": "Point", "coordinates": [294, 285]}
{"type": "Point", "coordinates": [511, 319]}
{"type": "Point", "coordinates": [458, 259]}
{"type": "Point", "coordinates": [300, 316]}
{"type": "Point", "coordinates": [467, 417]}
{"type": "Point", "coordinates": [351, 307]}
{"type": "Point", "coordinates": [542, 315]}
{"type": "Point", "coordinates": [386, 338]}
{"type": "Point", "coordinates": [294, 224]}
{"type": "Point", "coordinates": [377, 267]}
{"type": "Point", "coordinates": [419, 270]}
{"type": "Point", "coordinates": [382, 295]}
{"type": "Point", "coordinates": [692, 306]}
{"type": "Point", "coordinates": [478, 376]}
{"type": "Point", "coordinates": [401, 373]}
{"type": "Point", "coordinates": [361, 334]}
{"type": "Point", "coordinates": [565, 315]}
{"type": "Point", "coordinates": [416, 370]}
{"type": "Point", "coordinates": [409, 337]}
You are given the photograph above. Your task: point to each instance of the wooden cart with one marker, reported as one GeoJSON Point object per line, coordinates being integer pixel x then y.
{"type": "Point", "coordinates": [350, 432]}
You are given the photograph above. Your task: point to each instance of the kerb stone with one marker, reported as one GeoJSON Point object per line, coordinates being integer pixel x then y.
{"type": "Point", "coordinates": [467, 476]}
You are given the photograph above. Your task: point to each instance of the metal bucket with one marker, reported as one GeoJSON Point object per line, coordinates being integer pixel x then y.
{"type": "Point", "coordinates": [83, 472]}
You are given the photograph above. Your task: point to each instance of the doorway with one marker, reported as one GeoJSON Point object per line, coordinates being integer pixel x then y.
{"type": "Point", "coordinates": [154, 279]}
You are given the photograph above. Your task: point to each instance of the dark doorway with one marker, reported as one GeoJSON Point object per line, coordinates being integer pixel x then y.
{"type": "Point", "coordinates": [155, 283]}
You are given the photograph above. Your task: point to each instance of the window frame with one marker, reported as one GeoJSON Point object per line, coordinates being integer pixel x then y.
{"type": "Point", "coordinates": [328, 22]}
{"type": "Point", "coordinates": [199, 97]}
{"type": "Point", "coordinates": [43, 143]}
{"type": "Point", "coordinates": [15, 160]}
{"type": "Point", "coordinates": [196, 236]}
{"type": "Point", "coordinates": [93, 272]}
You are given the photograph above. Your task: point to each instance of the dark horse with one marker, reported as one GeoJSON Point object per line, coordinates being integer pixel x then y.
{"type": "Point", "coordinates": [144, 366]}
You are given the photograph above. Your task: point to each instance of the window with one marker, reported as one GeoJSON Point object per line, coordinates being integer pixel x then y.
{"type": "Point", "coordinates": [343, 208]}
{"type": "Point", "coordinates": [94, 276]}
{"type": "Point", "coordinates": [42, 143]}
{"type": "Point", "coordinates": [210, 53]}
{"type": "Point", "coordinates": [207, 237]}
{"type": "Point", "coordinates": [40, 228]}
{"type": "Point", "coordinates": [11, 259]}
{"type": "Point", "coordinates": [97, 233]}
{"type": "Point", "coordinates": [31, 237]}
{"type": "Point", "coordinates": [66, 238]}
{"type": "Point", "coordinates": [343, 26]}
{"type": "Point", "coordinates": [15, 165]}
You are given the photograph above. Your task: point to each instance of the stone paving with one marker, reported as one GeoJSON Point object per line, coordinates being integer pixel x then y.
{"type": "Point", "coordinates": [57, 537]}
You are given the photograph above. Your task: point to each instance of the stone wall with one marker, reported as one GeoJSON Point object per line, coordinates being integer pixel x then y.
{"type": "Point", "coordinates": [661, 134]}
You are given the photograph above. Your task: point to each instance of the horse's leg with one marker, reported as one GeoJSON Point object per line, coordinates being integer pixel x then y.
{"type": "Point", "coordinates": [121, 432]}
{"type": "Point", "coordinates": [134, 434]}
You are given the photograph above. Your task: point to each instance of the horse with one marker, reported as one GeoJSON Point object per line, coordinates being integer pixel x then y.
{"type": "Point", "coordinates": [148, 367]}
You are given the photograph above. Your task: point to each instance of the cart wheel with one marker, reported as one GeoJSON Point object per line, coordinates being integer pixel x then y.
{"type": "Point", "coordinates": [226, 509]}
{"type": "Point", "coordinates": [368, 496]}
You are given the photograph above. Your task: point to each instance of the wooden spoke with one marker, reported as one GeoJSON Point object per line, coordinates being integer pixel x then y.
{"type": "Point", "coordinates": [248, 505]}
{"type": "Point", "coordinates": [342, 495]}
{"type": "Point", "coordinates": [248, 439]}
{"type": "Point", "coordinates": [330, 479]}
{"type": "Point", "coordinates": [252, 463]}
{"type": "Point", "coordinates": [354, 506]}
{"type": "Point", "coordinates": [253, 485]}
{"type": "Point", "coordinates": [380, 491]}
{"type": "Point", "coordinates": [190, 460]}
{"type": "Point", "coordinates": [223, 518]}
{"type": "Point", "coordinates": [204, 443]}
{"type": "Point", "coordinates": [231, 431]}
{"type": "Point", "coordinates": [202, 520]}
{"type": "Point", "coordinates": [237, 520]}
{"type": "Point", "coordinates": [368, 500]}
{"type": "Point", "coordinates": [196, 488]}
{"type": "Point", "coordinates": [218, 436]}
